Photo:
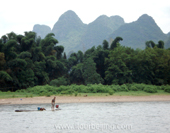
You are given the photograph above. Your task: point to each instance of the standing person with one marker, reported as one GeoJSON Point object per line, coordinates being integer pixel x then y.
{"type": "Point", "coordinates": [53, 103]}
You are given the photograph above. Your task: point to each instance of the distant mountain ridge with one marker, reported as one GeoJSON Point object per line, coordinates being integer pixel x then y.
{"type": "Point", "coordinates": [41, 30]}
{"type": "Point", "coordinates": [74, 35]}
{"type": "Point", "coordinates": [69, 30]}
{"type": "Point", "coordinates": [135, 34]}
{"type": "Point", "coordinates": [100, 29]}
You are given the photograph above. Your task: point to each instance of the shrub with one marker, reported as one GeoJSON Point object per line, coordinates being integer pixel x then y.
{"type": "Point", "coordinates": [83, 90]}
{"type": "Point", "coordinates": [102, 88]}
{"type": "Point", "coordinates": [167, 89]}
{"type": "Point", "coordinates": [163, 87]}
{"type": "Point", "coordinates": [90, 88]}
{"type": "Point", "coordinates": [62, 88]}
{"type": "Point", "coordinates": [76, 93]}
{"type": "Point", "coordinates": [20, 91]}
{"type": "Point", "coordinates": [99, 89]}
{"type": "Point", "coordinates": [23, 90]}
{"type": "Point", "coordinates": [65, 92]}
{"type": "Point", "coordinates": [58, 82]}
{"type": "Point", "coordinates": [139, 87]}
{"type": "Point", "coordinates": [48, 94]}
{"type": "Point", "coordinates": [31, 95]}
{"type": "Point", "coordinates": [133, 88]}
{"type": "Point", "coordinates": [42, 90]}
{"type": "Point", "coordinates": [110, 92]}
{"type": "Point", "coordinates": [159, 87]}
{"type": "Point", "coordinates": [54, 92]}
{"type": "Point", "coordinates": [70, 91]}
{"type": "Point", "coordinates": [115, 87]}
{"type": "Point", "coordinates": [128, 86]}
{"type": "Point", "coordinates": [150, 89]}
{"type": "Point", "coordinates": [123, 88]}
{"type": "Point", "coordinates": [95, 88]}
{"type": "Point", "coordinates": [42, 94]}
{"type": "Point", "coordinates": [48, 88]}
{"type": "Point", "coordinates": [37, 90]}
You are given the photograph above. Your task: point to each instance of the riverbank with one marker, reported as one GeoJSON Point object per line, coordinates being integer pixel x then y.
{"type": "Point", "coordinates": [81, 99]}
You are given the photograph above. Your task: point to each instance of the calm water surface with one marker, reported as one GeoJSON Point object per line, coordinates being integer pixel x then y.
{"type": "Point", "coordinates": [122, 117]}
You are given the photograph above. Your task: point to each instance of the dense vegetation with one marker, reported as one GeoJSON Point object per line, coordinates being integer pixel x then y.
{"type": "Point", "coordinates": [27, 61]}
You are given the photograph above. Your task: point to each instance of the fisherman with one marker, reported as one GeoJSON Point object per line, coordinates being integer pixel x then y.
{"type": "Point", "coordinates": [53, 103]}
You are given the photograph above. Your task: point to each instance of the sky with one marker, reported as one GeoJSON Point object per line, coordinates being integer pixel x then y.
{"type": "Point", "coordinates": [21, 15]}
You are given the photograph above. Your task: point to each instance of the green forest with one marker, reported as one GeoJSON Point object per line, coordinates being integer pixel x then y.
{"type": "Point", "coordinates": [27, 61]}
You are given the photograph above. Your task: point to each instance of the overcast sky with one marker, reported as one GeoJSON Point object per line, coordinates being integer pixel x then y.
{"type": "Point", "coordinates": [21, 15]}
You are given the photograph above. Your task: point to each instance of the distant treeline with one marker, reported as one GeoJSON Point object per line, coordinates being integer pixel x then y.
{"type": "Point", "coordinates": [27, 61]}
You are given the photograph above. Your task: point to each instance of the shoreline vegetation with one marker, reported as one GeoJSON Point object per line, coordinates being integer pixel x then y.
{"type": "Point", "coordinates": [90, 93]}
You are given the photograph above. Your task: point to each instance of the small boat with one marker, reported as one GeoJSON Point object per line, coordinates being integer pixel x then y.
{"type": "Point", "coordinates": [27, 110]}
{"type": "Point", "coordinates": [35, 110]}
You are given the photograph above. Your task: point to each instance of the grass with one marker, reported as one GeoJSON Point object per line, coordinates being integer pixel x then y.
{"type": "Point", "coordinates": [15, 95]}
{"type": "Point", "coordinates": [129, 93]}
{"type": "Point", "coordinates": [140, 93]}
{"type": "Point", "coordinates": [72, 90]}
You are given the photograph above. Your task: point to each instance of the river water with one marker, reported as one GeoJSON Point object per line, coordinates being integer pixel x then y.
{"type": "Point", "coordinates": [117, 117]}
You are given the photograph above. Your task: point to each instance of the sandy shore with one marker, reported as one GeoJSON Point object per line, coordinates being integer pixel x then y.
{"type": "Point", "coordinates": [72, 99]}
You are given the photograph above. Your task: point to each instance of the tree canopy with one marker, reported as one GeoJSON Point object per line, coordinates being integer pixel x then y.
{"type": "Point", "coordinates": [27, 60]}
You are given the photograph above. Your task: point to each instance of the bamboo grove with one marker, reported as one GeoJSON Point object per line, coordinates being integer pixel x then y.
{"type": "Point", "coordinates": [27, 61]}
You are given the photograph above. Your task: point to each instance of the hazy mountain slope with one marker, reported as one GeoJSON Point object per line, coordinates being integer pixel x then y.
{"type": "Point", "coordinates": [41, 30]}
{"type": "Point", "coordinates": [167, 42]}
{"type": "Point", "coordinates": [100, 29]}
{"type": "Point", "coordinates": [68, 30]}
{"type": "Point", "coordinates": [74, 35]}
{"type": "Point", "coordinates": [135, 34]}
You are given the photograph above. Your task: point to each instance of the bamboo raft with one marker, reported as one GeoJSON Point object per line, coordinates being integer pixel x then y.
{"type": "Point", "coordinates": [35, 110]}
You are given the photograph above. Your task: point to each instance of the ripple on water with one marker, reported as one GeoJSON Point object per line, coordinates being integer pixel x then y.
{"type": "Point", "coordinates": [88, 117]}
